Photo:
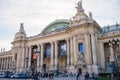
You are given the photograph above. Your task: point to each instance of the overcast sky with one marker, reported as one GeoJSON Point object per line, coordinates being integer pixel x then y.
{"type": "Point", "coordinates": [36, 14]}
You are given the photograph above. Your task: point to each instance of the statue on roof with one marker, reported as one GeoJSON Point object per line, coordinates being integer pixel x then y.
{"type": "Point", "coordinates": [79, 6]}
{"type": "Point", "coordinates": [21, 27]}
{"type": "Point", "coordinates": [90, 15]}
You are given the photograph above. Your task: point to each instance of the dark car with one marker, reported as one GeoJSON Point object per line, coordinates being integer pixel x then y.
{"type": "Point", "coordinates": [19, 75]}
{"type": "Point", "coordinates": [3, 75]}
{"type": "Point", "coordinates": [9, 75]}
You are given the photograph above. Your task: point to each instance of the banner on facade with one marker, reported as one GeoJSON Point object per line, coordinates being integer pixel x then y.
{"type": "Point", "coordinates": [63, 49]}
{"type": "Point", "coordinates": [81, 48]}
{"type": "Point", "coordinates": [48, 51]}
{"type": "Point", "coordinates": [34, 56]}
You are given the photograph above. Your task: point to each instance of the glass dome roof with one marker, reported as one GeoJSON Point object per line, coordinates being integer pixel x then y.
{"type": "Point", "coordinates": [57, 25]}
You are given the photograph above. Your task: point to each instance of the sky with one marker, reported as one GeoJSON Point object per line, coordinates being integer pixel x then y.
{"type": "Point", "coordinates": [37, 14]}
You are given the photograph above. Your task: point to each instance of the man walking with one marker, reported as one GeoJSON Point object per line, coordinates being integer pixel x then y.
{"type": "Point", "coordinates": [79, 74]}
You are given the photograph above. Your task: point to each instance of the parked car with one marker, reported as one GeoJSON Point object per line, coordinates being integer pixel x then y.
{"type": "Point", "coordinates": [19, 75]}
{"type": "Point", "coordinates": [10, 74]}
{"type": "Point", "coordinates": [3, 75]}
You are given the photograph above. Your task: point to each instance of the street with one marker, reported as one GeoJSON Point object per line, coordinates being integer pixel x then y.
{"type": "Point", "coordinates": [60, 78]}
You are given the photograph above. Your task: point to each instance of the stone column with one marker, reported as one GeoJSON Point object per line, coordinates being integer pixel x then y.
{"type": "Point", "coordinates": [41, 65]}
{"type": "Point", "coordinates": [102, 55]}
{"type": "Point", "coordinates": [11, 63]}
{"type": "Point", "coordinates": [75, 47]}
{"type": "Point", "coordinates": [23, 58]}
{"type": "Point", "coordinates": [30, 55]}
{"type": "Point", "coordinates": [93, 49]}
{"type": "Point", "coordinates": [68, 53]}
{"type": "Point", "coordinates": [88, 57]}
{"type": "Point", "coordinates": [7, 63]}
{"type": "Point", "coordinates": [94, 52]}
{"type": "Point", "coordinates": [2, 63]}
{"type": "Point", "coordinates": [26, 57]}
{"type": "Point", "coordinates": [51, 61]}
{"type": "Point", "coordinates": [111, 52]}
{"type": "Point", "coordinates": [56, 55]}
{"type": "Point", "coordinates": [88, 49]}
{"type": "Point", "coordinates": [38, 58]}
{"type": "Point", "coordinates": [71, 51]}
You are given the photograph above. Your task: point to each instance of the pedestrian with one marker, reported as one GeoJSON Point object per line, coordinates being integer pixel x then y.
{"type": "Point", "coordinates": [86, 76]}
{"type": "Point", "coordinates": [79, 74]}
{"type": "Point", "coordinates": [112, 75]}
{"type": "Point", "coordinates": [93, 75]}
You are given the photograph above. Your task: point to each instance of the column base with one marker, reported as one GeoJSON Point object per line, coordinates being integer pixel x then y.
{"type": "Point", "coordinates": [38, 69]}
{"type": "Point", "coordinates": [51, 68]}
{"type": "Point", "coordinates": [89, 69]}
{"type": "Point", "coordinates": [95, 69]}
{"type": "Point", "coordinates": [41, 69]}
{"type": "Point", "coordinates": [71, 69]}
{"type": "Point", "coordinates": [55, 68]}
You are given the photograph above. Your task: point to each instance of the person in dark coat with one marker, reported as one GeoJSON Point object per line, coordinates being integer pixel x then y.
{"type": "Point", "coordinates": [87, 76]}
{"type": "Point", "coordinates": [79, 74]}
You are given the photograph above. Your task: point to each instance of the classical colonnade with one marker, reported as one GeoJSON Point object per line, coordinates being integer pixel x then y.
{"type": "Point", "coordinates": [6, 63]}
{"type": "Point", "coordinates": [53, 56]}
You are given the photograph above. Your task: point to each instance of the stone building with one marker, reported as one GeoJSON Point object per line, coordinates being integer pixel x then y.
{"type": "Point", "coordinates": [66, 45]}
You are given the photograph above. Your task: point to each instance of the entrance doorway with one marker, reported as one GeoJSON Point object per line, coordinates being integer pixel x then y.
{"type": "Point", "coordinates": [44, 67]}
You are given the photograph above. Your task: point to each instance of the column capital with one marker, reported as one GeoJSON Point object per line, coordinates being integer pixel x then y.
{"type": "Point", "coordinates": [30, 46]}
{"type": "Point", "coordinates": [92, 33]}
{"type": "Point", "coordinates": [67, 39]}
{"type": "Point", "coordinates": [42, 44]}
{"type": "Point", "coordinates": [56, 42]}
{"type": "Point", "coordinates": [38, 45]}
{"type": "Point", "coordinates": [51, 42]}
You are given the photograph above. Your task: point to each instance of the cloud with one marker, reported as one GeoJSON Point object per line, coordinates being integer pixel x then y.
{"type": "Point", "coordinates": [5, 44]}
{"type": "Point", "coordinates": [36, 14]}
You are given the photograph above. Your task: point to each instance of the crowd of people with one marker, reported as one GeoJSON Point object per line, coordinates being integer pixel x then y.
{"type": "Point", "coordinates": [43, 75]}
{"type": "Point", "coordinates": [51, 75]}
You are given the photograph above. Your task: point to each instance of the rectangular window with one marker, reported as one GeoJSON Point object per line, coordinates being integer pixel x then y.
{"type": "Point", "coordinates": [81, 48]}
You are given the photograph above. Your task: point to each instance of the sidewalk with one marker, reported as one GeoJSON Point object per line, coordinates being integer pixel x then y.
{"type": "Point", "coordinates": [64, 78]}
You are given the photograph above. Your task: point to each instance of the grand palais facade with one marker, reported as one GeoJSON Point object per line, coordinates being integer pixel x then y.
{"type": "Point", "coordinates": [66, 45]}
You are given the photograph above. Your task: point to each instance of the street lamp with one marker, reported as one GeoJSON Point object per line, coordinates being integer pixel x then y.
{"type": "Point", "coordinates": [113, 57]}
{"type": "Point", "coordinates": [34, 58]}
{"type": "Point", "coordinates": [14, 66]}
{"type": "Point", "coordinates": [26, 62]}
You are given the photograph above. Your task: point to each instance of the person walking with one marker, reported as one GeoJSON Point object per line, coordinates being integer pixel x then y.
{"type": "Point", "coordinates": [86, 76]}
{"type": "Point", "coordinates": [93, 75]}
{"type": "Point", "coordinates": [79, 74]}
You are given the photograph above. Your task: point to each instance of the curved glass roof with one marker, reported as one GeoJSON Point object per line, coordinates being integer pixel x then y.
{"type": "Point", "coordinates": [57, 25]}
{"type": "Point", "coordinates": [111, 28]}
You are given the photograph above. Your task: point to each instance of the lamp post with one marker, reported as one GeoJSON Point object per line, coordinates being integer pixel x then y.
{"type": "Point", "coordinates": [113, 56]}
{"type": "Point", "coordinates": [26, 62]}
{"type": "Point", "coordinates": [14, 66]}
{"type": "Point", "coordinates": [34, 57]}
